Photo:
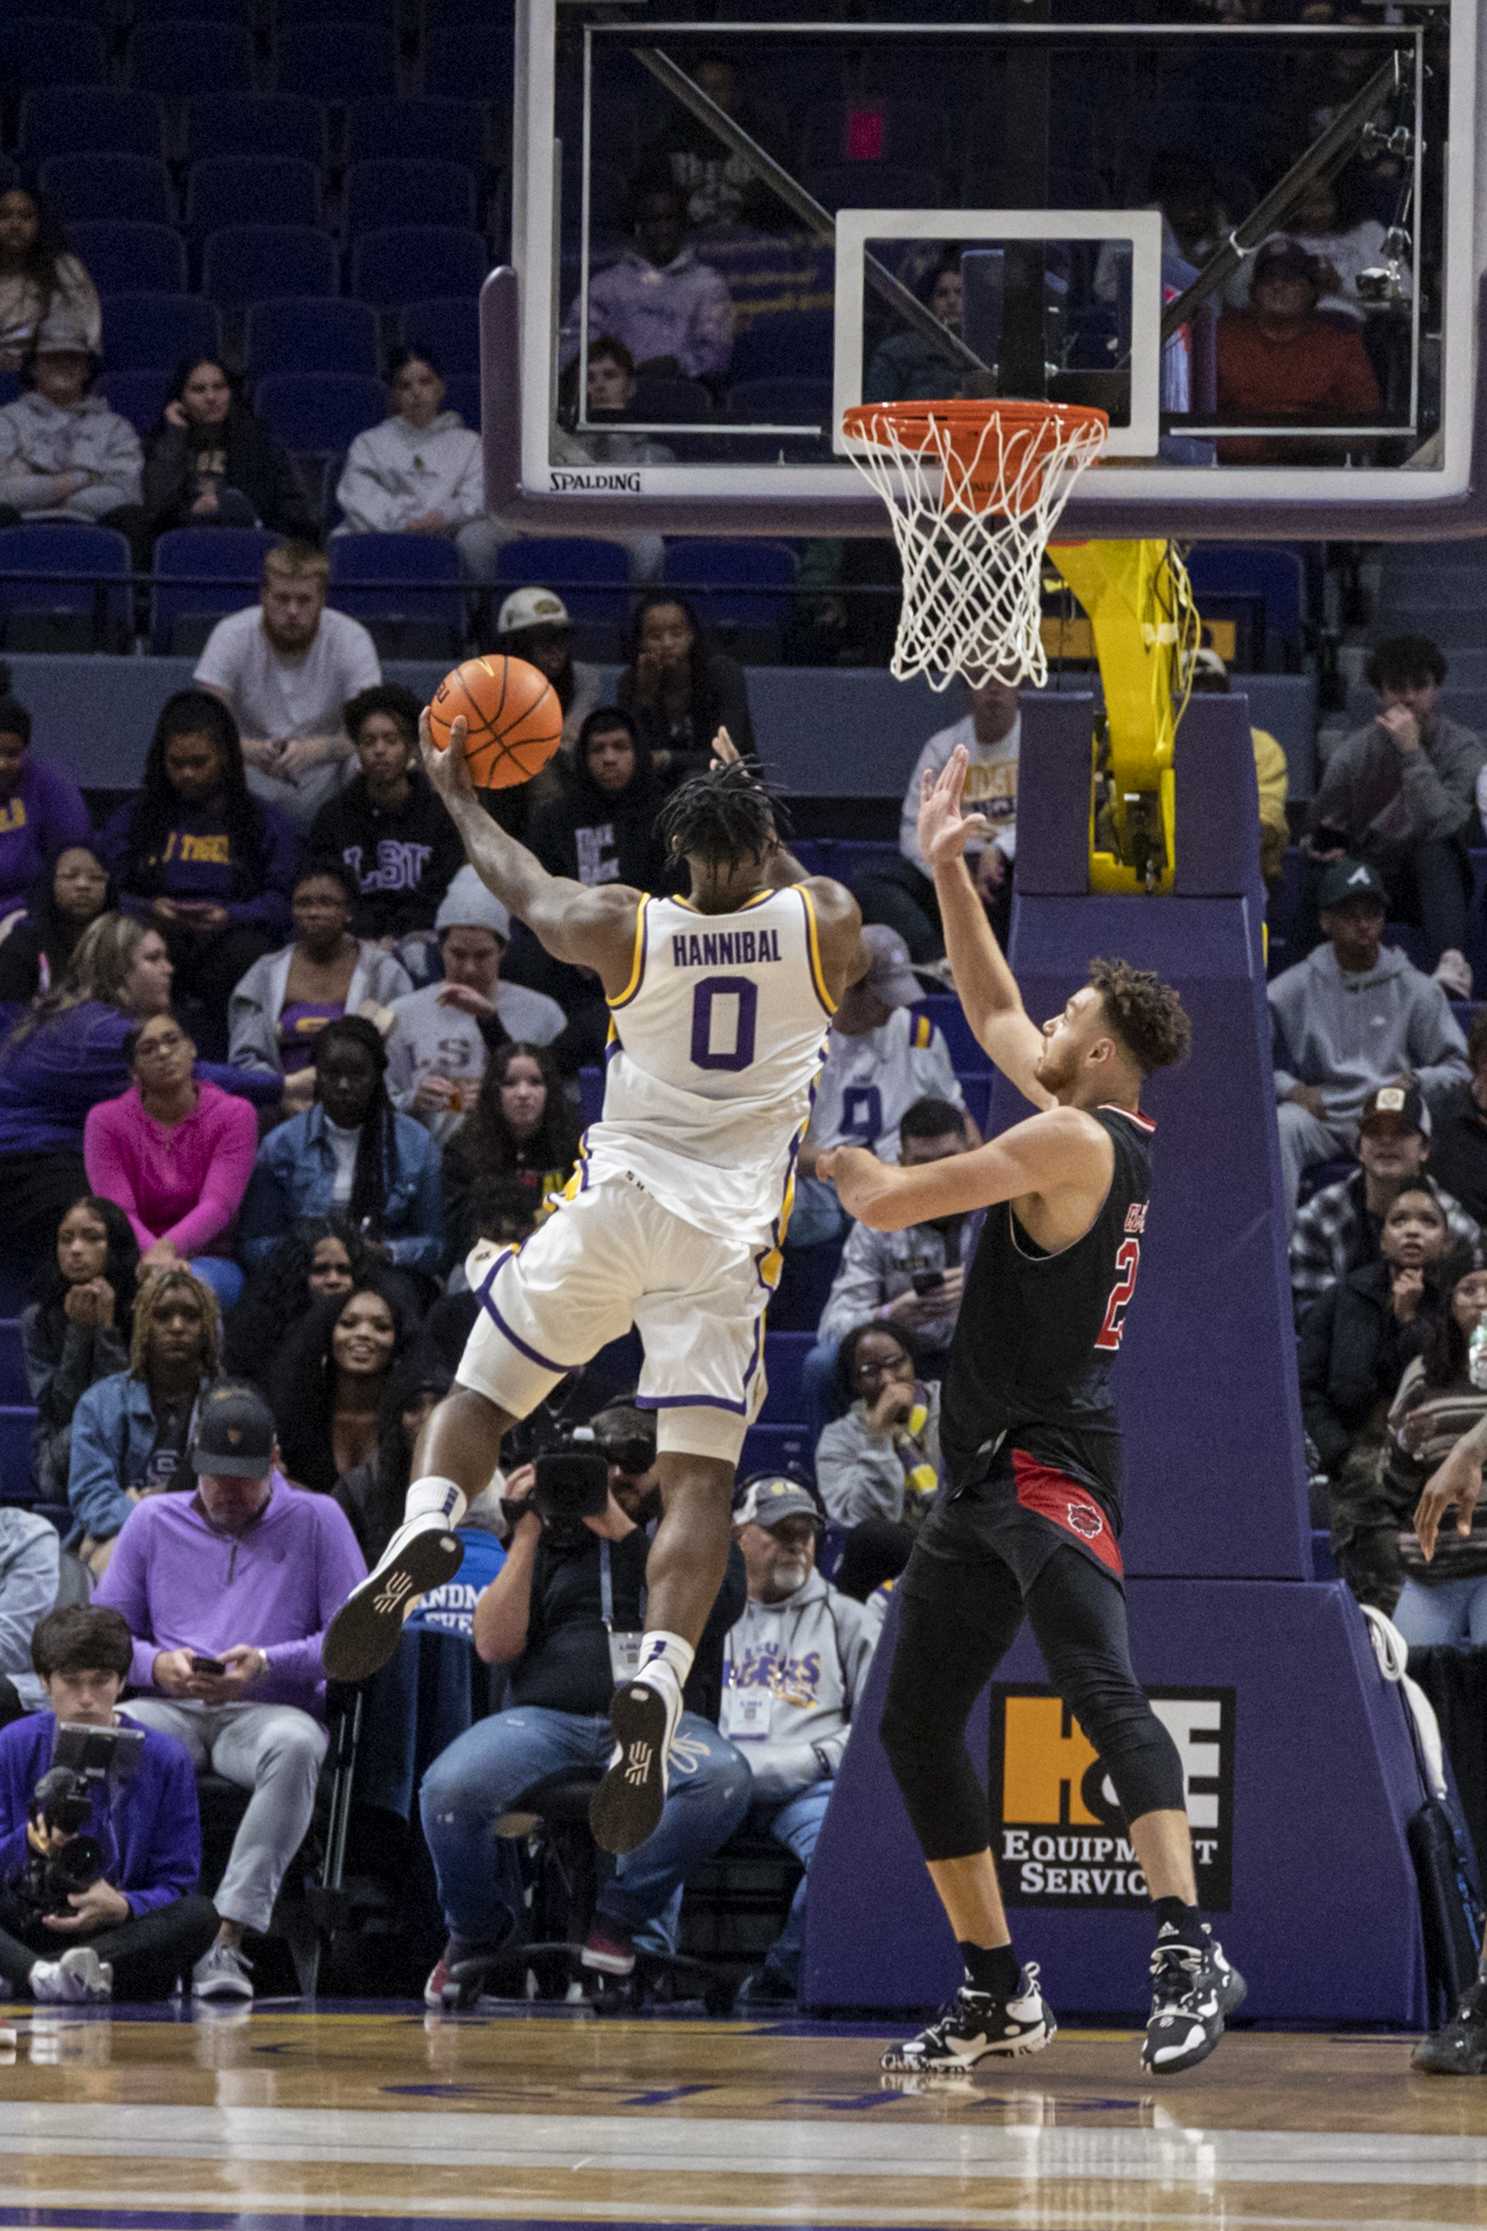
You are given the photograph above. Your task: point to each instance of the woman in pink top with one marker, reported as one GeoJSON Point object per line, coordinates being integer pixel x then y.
{"type": "Point", "coordinates": [175, 1152]}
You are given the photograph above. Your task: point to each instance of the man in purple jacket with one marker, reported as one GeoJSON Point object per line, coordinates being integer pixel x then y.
{"type": "Point", "coordinates": [246, 1556]}
{"type": "Point", "coordinates": [137, 1928]}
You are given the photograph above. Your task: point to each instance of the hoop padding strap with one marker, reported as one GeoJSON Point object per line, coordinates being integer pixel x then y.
{"type": "Point", "coordinates": [973, 492]}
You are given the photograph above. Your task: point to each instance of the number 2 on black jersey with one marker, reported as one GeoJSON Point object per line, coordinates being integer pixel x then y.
{"type": "Point", "coordinates": [1127, 1263]}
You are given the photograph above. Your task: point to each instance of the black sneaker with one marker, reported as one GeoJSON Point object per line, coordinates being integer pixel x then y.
{"type": "Point", "coordinates": [1193, 1995]}
{"type": "Point", "coordinates": [976, 2024]}
{"type": "Point", "coordinates": [627, 1805]}
{"type": "Point", "coordinates": [1460, 2049]}
{"type": "Point", "coordinates": [422, 1555]}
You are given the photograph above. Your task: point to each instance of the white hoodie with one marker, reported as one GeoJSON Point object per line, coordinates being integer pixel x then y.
{"type": "Point", "coordinates": [39, 442]}
{"type": "Point", "coordinates": [811, 1652]}
{"type": "Point", "coordinates": [396, 472]}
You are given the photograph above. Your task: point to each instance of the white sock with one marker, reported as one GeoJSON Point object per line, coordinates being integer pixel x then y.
{"type": "Point", "coordinates": [663, 1655]}
{"type": "Point", "coordinates": [432, 1497]}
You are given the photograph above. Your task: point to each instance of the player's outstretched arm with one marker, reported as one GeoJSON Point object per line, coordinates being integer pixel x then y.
{"type": "Point", "coordinates": [589, 928]}
{"type": "Point", "coordinates": [985, 985]}
{"type": "Point", "coordinates": [1062, 1150]}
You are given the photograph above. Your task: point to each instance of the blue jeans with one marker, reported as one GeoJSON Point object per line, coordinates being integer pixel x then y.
{"type": "Point", "coordinates": [796, 1824]}
{"type": "Point", "coordinates": [1448, 1611]}
{"type": "Point", "coordinates": [224, 1278]}
{"type": "Point", "coordinates": [487, 1770]}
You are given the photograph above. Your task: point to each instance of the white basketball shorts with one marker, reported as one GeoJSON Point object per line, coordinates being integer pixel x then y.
{"type": "Point", "coordinates": [608, 1257]}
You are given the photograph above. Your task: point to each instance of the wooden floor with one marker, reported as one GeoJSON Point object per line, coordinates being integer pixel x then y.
{"type": "Point", "coordinates": [329, 2120]}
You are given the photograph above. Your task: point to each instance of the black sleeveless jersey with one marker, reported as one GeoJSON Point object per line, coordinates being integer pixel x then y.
{"type": "Point", "coordinates": [1038, 1334]}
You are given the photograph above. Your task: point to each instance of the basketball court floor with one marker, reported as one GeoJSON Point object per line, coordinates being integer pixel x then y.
{"type": "Point", "coordinates": [283, 2120]}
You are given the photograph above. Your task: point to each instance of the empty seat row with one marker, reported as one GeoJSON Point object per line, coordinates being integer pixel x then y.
{"type": "Point", "coordinates": [112, 120]}
{"type": "Point", "coordinates": [243, 264]}
{"type": "Point", "coordinates": [284, 188]}
{"type": "Point", "coordinates": [313, 334]}
{"type": "Point", "coordinates": [337, 62]}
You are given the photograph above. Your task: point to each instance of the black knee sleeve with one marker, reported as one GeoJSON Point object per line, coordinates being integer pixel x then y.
{"type": "Point", "coordinates": [1135, 1749]}
{"type": "Point", "coordinates": [942, 1796]}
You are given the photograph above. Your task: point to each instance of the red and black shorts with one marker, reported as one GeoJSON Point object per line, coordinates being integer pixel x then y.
{"type": "Point", "coordinates": [1020, 1512]}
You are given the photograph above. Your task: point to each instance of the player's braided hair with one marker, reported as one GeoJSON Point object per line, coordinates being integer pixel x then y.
{"type": "Point", "coordinates": [725, 816]}
{"type": "Point", "coordinates": [1146, 1015]}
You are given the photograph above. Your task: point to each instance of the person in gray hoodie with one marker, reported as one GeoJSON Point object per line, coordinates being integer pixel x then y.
{"type": "Point", "coordinates": [795, 1668]}
{"type": "Point", "coordinates": [30, 1570]}
{"type": "Point", "coordinates": [63, 453]}
{"type": "Point", "coordinates": [1350, 1017]}
{"type": "Point", "coordinates": [420, 471]}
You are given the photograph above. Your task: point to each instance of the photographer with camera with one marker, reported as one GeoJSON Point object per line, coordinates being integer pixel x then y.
{"type": "Point", "coordinates": [566, 1613]}
{"type": "Point", "coordinates": [100, 1842]}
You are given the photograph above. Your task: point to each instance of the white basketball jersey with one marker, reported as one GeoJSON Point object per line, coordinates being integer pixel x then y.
{"type": "Point", "coordinates": [715, 1043]}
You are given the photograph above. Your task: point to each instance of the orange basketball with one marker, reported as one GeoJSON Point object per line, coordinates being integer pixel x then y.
{"type": "Point", "coordinates": [514, 722]}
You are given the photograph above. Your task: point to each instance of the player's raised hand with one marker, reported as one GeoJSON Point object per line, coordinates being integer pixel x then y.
{"type": "Point", "coordinates": [1455, 1484]}
{"type": "Point", "coordinates": [945, 828]}
{"type": "Point", "coordinates": [448, 771]}
{"type": "Point", "coordinates": [724, 749]}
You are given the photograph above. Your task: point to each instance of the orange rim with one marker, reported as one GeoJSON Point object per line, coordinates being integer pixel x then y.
{"type": "Point", "coordinates": [1032, 435]}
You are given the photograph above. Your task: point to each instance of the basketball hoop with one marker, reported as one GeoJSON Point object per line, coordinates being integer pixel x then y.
{"type": "Point", "coordinates": [974, 491]}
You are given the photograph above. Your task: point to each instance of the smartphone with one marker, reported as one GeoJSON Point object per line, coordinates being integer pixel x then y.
{"type": "Point", "coordinates": [200, 1664]}
{"type": "Point", "coordinates": [928, 1281]}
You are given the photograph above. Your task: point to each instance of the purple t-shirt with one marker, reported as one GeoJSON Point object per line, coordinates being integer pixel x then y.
{"type": "Point", "coordinates": [300, 1024]}
{"type": "Point", "coordinates": [43, 815]}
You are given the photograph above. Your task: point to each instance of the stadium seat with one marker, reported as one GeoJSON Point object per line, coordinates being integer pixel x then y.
{"type": "Point", "coordinates": [401, 192]}
{"type": "Point", "coordinates": [1271, 581]}
{"type": "Point", "coordinates": [311, 333]}
{"type": "Point", "coordinates": [946, 1014]}
{"type": "Point", "coordinates": [784, 344]}
{"type": "Point", "coordinates": [977, 1091]}
{"type": "Point", "coordinates": [152, 332]}
{"type": "Point", "coordinates": [65, 120]}
{"type": "Point", "coordinates": [17, 1424]}
{"type": "Point", "coordinates": [221, 187]}
{"type": "Point", "coordinates": [459, 55]}
{"type": "Point", "coordinates": [200, 573]}
{"type": "Point", "coordinates": [778, 1448]}
{"type": "Point", "coordinates": [132, 259]}
{"type": "Point", "coordinates": [454, 130]}
{"type": "Point", "coordinates": [176, 60]}
{"type": "Point", "coordinates": [134, 189]}
{"type": "Point", "coordinates": [592, 578]}
{"type": "Point", "coordinates": [64, 586]}
{"type": "Point", "coordinates": [255, 124]}
{"type": "Point", "coordinates": [46, 50]}
{"type": "Point", "coordinates": [462, 394]}
{"type": "Point", "coordinates": [190, 11]}
{"type": "Point", "coordinates": [741, 584]}
{"type": "Point", "coordinates": [407, 263]}
{"type": "Point", "coordinates": [784, 1358]}
{"type": "Point", "coordinates": [412, 598]}
{"type": "Point", "coordinates": [336, 11]}
{"type": "Point", "coordinates": [140, 396]}
{"type": "Point", "coordinates": [243, 264]}
{"type": "Point", "coordinates": [319, 411]}
{"type": "Point", "coordinates": [337, 61]}
{"type": "Point", "coordinates": [874, 186]}
{"type": "Point", "coordinates": [13, 1386]}
{"type": "Point", "coordinates": [781, 402]}
{"type": "Point", "coordinates": [449, 325]}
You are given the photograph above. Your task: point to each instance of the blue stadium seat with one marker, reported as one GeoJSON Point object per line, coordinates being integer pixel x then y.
{"type": "Point", "coordinates": [784, 1358]}
{"type": "Point", "coordinates": [453, 130]}
{"type": "Point", "coordinates": [132, 259]}
{"type": "Point", "coordinates": [785, 344]}
{"type": "Point", "coordinates": [1273, 580]}
{"type": "Point", "coordinates": [338, 61]}
{"type": "Point", "coordinates": [221, 187]}
{"type": "Point", "coordinates": [781, 402]}
{"type": "Point", "coordinates": [947, 1015]}
{"type": "Point", "coordinates": [407, 263]}
{"type": "Point", "coordinates": [336, 11]}
{"type": "Point", "coordinates": [65, 120]}
{"type": "Point", "coordinates": [778, 1448]}
{"type": "Point", "coordinates": [449, 325]}
{"type": "Point", "coordinates": [977, 1090]}
{"type": "Point", "coordinates": [82, 562]}
{"type": "Point", "coordinates": [734, 584]}
{"type": "Point", "coordinates": [152, 332]}
{"type": "Point", "coordinates": [592, 578]}
{"type": "Point", "coordinates": [176, 60]}
{"type": "Point", "coordinates": [459, 55]}
{"type": "Point", "coordinates": [255, 124]}
{"type": "Point", "coordinates": [190, 11]}
{"type": "Point", "coordinates": [312, 333]}
{"type": "Point", "coordinates": [203, 572]}
{"type": "Point", "coordinates": [243, 264]}
{"type": "Point", "coordinates": [47, 50]}
{"type": "Point", "coordinates": [403, 192]}
{"type": "Point", "coordinates": [874, 186]}
{"type": "Point", "coordinates": [128, 188]}
{"type": "Point", "coordinates": [414, 600]}
{"type": "Point", "coordinates": [13, 1387]}
{"type": "Point", "coordinates": [462, 394]}
{"type": "Point", "coordinates": [140, 396]}
{"type": "Point", "coordinates": [17, 1423]}
{"type": "Point", "coordinates": [319, 410]}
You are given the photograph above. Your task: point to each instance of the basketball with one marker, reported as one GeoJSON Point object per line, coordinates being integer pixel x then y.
{"type": "Point", "coordinates": [513, 720]}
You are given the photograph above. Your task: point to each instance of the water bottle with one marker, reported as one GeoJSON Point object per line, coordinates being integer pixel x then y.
{"type": "Point", "coordinates": [1476, 1354]}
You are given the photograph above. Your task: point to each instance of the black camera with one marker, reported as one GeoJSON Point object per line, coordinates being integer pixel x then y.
{"type": "Point", "coordinates": [85, 1760]}
{"type": "Point", "coordinates": [572, 1484]}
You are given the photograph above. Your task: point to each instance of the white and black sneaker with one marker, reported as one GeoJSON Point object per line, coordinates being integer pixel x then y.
{"type": "Point", "coordinates": [975, 2025]}
{"type": "Point", "coordinates": [1193, 1994]}
{"type": "Point", "coordinates": [423, 1554]}
{"type": "Point", "coordinates": [627, 1805]}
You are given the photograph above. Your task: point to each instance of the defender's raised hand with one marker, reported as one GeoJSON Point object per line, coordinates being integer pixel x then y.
{"type": "Point", "coordinates": [945, 828]}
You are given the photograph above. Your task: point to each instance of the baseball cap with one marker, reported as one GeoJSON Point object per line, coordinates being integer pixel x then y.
{"type": "Point", "coordinates": [1350, 879]}
{"type": "Point", "coordinates": [771, 1499]}
{"type": "Point", "coordinates": [891, 975]}
{"type": "Point", "coordinates": [531, 608]}
{"type": "Point", "coordinates": [1405, 1102]}
{"type": "Point", "coordinates": [1286, 258]}
{"type": "Point", "coordinates": [234, 1435]}
{"type": "Point", "coordinates": [468, 905]}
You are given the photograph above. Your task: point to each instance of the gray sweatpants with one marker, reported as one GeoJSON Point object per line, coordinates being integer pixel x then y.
{"type": "Point", "coordinates": [275, 1751]}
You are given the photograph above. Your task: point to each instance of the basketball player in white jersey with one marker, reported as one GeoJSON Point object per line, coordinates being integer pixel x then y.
{"type": "Point", "coordinates": [720, 1003]}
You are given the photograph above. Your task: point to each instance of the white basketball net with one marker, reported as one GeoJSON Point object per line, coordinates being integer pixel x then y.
{"type": "Point", "coordinates": [972, 572]}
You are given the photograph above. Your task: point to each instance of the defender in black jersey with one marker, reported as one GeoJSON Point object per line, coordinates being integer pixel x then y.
{"type": "Point", "coordinates": [1028, 1521]}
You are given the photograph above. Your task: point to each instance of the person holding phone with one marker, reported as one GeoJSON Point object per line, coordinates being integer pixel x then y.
{"type": "Point", "coordinates": [881, 1458]}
